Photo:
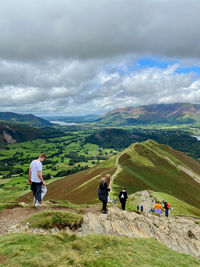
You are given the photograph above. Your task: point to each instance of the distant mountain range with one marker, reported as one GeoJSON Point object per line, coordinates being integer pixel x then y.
{"type": "Point", "coordinates": [178, 113]}
{"type": "Point", "coordinates": [24, 118]}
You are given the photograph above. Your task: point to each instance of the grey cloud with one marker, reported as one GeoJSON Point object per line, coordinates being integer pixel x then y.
{"type": "Point", "coordinates": [73, 57]}
{"type": "Point", "coordinates": [31, 30]}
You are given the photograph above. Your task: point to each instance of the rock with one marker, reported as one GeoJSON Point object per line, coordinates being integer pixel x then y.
{"type": "Point", "coordinates": [54, 230]}
{"type": "Point", "coordinates": [191, 235]}
{"type": "Point", "coordinates": [180, 234]}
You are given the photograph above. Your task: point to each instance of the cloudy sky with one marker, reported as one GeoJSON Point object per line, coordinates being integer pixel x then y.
{"type": "Point", "coordinates": [76, 57]}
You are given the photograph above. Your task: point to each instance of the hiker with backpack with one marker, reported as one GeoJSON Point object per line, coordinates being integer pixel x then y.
{"type": "Point", "coordinates": [103, 191]}
{"type": "Point", "coordinates": [166, 207]}
{"type": "Point", "coordinates": [123, 197]}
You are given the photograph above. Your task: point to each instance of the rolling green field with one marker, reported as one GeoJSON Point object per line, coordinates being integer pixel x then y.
{"type": "Point", "coordinates": [65, 155]}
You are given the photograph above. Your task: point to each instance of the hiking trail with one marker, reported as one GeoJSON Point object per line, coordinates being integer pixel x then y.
{"type": "Point", "coordinates": [118, 165]}
{"type": "Point", "coordinates": [145, 199]}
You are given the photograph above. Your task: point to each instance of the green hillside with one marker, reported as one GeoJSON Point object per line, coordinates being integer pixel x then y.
{"type": "Point", "coordinates": [12, 133]}
{"type": "Point", "coordinates": [160, 168]}
{"type": "Point", "coordinates": [29, 119]}
{"type": "Point", "coordinates": [119, 139]}
{"type": "Point", "coordinates": [146, 165]}
{"type": "Point", "coordinates": [78, 188]}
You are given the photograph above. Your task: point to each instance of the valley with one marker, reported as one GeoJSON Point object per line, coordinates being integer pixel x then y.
{"type": "Point", "coordinates": [154, 162]}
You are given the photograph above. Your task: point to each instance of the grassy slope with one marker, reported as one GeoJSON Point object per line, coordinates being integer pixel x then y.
{"type": "Point", "coordinates": [146, 167]}
{"type": "Point", "coordinates": [80, 187]}
{"type": "Point", "coordinates": [105, 251]}
{"type": "Point", "coordinates": [178, 207]}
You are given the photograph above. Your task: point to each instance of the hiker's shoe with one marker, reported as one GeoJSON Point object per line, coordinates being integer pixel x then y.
{"type": "Point", "coordinates": [104, 211]}
{"type": "Point", "coordinates": [37, 204]}
{"type": "Point", "coordinates": [34, 200]}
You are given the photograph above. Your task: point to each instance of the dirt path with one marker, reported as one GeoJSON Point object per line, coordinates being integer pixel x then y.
{"type": "Point", "coordinates": [146, 201]}
{"type": "Point", "coordinates": [118, 166]}
{"type": "Point", "coordinates": [11, 217]}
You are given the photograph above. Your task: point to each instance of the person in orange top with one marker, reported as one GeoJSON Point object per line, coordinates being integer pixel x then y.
{"type": "Point", "coordinates": [158, 208]}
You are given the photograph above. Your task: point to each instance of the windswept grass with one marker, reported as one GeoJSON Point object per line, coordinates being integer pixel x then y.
{"type": "Point", "coordinates": [91, 251]}
{"type": "Point", "coordinates": [59, 219]}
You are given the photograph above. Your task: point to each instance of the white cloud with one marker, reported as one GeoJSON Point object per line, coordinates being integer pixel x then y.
{"type": "Point", "coordinates": [75, 56]}
{"type": "Point", "coordinates": [91, 91]}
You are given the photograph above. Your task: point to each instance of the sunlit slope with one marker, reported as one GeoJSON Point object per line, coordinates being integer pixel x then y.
{"type": "Point", "coordinates": [78, 188]}
{"type": "Point", "coordinates": [160, 168]}
{"type": "Point", "coordinates": [146, 165]}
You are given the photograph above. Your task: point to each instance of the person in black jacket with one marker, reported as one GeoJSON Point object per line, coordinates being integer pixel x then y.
{"type": "Point", "coordinates": [103, 191]}
{"type": "Point", "coordinates": [123, 197]}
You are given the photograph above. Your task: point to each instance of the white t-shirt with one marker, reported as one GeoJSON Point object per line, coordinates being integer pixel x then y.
{"type": "Point", "coordinates": [35, 166]}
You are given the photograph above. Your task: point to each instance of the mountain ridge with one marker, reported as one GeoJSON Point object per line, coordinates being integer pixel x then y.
{"type": "Point", "coordinates": [177, 113]}
{"type": "Point", "coordinates": [143, 166]}
{"type": "Point", "coordinates": [29, 119]}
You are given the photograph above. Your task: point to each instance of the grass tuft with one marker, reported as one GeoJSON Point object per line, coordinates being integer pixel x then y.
{"type": "Point", "coordinates": [59, 219]}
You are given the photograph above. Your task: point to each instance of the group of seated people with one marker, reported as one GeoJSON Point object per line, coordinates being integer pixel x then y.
{"type": "Point", "coordinates": [158, 208]}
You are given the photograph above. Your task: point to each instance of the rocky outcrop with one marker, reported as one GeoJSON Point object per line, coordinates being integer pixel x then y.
{"type": "Point", "coordinates": [180, 234]}
{"type": "Point", "coordinates": [8, 138]}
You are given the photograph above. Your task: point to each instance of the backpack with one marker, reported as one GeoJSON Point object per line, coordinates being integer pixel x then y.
{"type": "Point", "coordinates": [101, 193]}
{"type": "Point", "coordinates": [168, 205]}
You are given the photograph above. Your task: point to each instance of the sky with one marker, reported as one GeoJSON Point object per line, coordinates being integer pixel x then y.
{"type": "Point", "coordinates": [77, 57]}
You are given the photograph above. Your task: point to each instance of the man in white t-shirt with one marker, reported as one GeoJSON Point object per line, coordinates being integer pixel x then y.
{"type": "Point", "coordinates": [35, 178]}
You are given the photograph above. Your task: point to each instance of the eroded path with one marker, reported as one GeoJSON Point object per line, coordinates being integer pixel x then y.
{"type": "Point", "coordinates": [9, 218]}
{"type": "Point", "coordinates": [118, 165]}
